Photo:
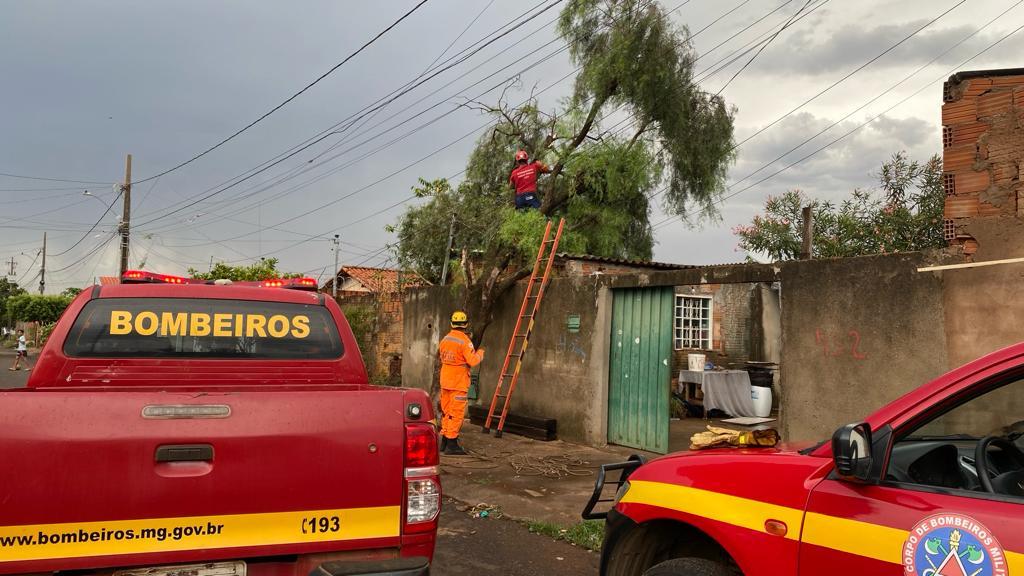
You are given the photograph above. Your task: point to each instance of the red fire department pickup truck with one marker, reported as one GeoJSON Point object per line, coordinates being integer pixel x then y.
{"type": "Point", "coordinates": [180, 428]}
{"type": "Point", "coordinates": [930, 485]}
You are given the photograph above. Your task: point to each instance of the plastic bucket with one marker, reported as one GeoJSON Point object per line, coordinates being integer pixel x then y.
{"type": "Point", "coordinates": [696, 362]}
{"type": "Point", "coordinates": [762, 398]}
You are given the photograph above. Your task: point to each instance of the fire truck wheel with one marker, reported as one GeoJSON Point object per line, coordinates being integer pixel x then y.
{"type": "Point", "coordinates": [689, 567]}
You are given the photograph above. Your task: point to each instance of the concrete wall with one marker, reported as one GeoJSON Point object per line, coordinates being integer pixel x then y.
{"type": "Point", "coordinates": [564, 373]}
{"type": "Point", "coordinates": [856, 333]}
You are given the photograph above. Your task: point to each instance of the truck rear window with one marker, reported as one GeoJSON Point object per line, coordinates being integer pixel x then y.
{"type": "Point", "coordinates": [202, 328]}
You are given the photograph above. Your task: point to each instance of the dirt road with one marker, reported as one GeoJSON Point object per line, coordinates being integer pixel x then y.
{"type": "Point", "coordinates": [471, 546]}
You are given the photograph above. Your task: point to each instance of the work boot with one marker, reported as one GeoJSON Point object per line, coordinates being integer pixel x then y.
{"type": "Point", "coordinates": [444, 444]}
{"type": "Point", "coordinates": [454, 448]}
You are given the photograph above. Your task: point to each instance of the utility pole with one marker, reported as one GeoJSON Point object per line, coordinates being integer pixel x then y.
{"type": "Point", "coordinates": [42, 269]}
{"type": "Point", "coordinates": [808, 234]}
{"type": "Point", "coordinates": [10, 266]}
{"type": "Point", "coordinates": [448, 251]}
{"type": "Point", "coordinates": [126, 218]}
{"type": "Point", "coordinates": [334, 283]}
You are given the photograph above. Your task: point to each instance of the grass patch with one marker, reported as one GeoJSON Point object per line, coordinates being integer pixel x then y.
{"type": "Point", "coordinates": [587, 534]}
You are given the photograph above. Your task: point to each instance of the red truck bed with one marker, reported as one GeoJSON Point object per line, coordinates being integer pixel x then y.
{"type": "Point", "coordinates": [141, 461]}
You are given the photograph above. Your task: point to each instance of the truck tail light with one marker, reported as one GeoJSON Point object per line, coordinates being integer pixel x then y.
{"type": "Point", "coordinates": [422, 485]}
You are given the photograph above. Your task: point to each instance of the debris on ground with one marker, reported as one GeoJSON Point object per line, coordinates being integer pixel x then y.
{"type": "Point", "coordinates": [554, 467]}
{"type": "Point", "coordinates": [485, 511]}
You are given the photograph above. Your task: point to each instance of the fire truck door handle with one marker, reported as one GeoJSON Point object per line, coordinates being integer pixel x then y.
{"type": "Point", "coordinates": [184, 453]}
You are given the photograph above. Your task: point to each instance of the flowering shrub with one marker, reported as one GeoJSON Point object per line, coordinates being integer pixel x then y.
{"type": "Point", "coordinates": [903, 214]}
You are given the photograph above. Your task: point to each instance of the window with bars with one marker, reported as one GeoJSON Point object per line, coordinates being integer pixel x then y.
{"type": "Point", "coordinates": [947, 136]}
{"type": "Point", "coordinates": [949, 183]}
{"type": "Point", "coordinates": [692, 323]}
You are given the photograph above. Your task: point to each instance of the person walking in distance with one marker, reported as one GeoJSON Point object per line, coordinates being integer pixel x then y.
{"type": "Point", "coordinates": [22, 352]}
{"type": "Point", "coordinates": [524, 179]}
{"type": "Point", "coordinates": [457, 358]}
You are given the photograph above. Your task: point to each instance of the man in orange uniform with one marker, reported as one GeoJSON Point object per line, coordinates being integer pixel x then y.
{"type": "Point", "coordinates": [457, 357]}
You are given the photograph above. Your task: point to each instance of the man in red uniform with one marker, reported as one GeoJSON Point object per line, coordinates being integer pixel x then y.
{"type": "Point", "coordinates": [457, 357]}
{"type": "Point", "coordinates": [524, 180]}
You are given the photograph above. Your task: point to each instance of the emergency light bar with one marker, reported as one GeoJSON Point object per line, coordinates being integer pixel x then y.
{"type": "Point", "coordinates": [144, 277]}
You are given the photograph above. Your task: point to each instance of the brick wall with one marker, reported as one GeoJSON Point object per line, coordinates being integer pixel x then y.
{"type": "Point", "coordinates": [383, 355]}
{"type": "Point", "coordinates": [983, 146]}
{"type": "Point", "coordinates": [735, 320]}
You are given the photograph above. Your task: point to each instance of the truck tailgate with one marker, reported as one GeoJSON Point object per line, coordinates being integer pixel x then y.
{"type": "Point", "coordinates": [86, 475]}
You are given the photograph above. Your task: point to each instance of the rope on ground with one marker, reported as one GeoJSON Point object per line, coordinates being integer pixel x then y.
{"type": "Point", "coordinates": [555, 467]}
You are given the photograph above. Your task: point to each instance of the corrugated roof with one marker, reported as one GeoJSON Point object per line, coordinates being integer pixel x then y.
{"type": "Point", "coordinates": [624, 262]}
{"type": "Point", "coordinates": [381, 280]}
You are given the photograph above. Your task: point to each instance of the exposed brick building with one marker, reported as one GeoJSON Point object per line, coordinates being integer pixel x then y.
{"type": "Point", "coordinates": [983, 146]}
{"type": "Point", "coordinates": [372, 301]}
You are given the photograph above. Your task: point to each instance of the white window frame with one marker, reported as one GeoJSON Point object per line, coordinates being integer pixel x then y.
{"type": "Point", "coordinates": [683, 337]}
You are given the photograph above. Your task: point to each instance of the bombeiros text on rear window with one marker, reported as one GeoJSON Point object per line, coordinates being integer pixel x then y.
{"type": "Point", "coordinates": [203, 328]}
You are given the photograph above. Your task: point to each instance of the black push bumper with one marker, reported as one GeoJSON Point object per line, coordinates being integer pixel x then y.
{"type": "Point", "coordinates": [625, 469]}
{"type": "Point", "coordinates": [416, 566]}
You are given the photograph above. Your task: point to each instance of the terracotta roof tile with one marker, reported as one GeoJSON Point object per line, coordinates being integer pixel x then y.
{"type": "Point", "coordinates": [381, 280]}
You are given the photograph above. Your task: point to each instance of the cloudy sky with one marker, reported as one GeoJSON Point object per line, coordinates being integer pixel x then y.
{"type": "Point", "coordinates": [86, 82]}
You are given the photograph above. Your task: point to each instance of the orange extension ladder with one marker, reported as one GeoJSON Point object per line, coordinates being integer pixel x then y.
{"type": "Point", "coordinates": [524, 326]}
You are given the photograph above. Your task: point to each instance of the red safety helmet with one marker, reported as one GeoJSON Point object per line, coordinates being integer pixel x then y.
{"type": "Point", "coordinates": [522, 156]}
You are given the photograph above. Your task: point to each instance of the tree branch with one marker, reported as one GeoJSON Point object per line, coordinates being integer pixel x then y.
{"type": "Point", "coordinates": [552, 201]}
{"type": "Point", "coordinates": [640, 132]}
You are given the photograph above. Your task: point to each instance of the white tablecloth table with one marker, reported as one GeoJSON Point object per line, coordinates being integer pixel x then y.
{"type": "Point", "coordinates": [725, 390]}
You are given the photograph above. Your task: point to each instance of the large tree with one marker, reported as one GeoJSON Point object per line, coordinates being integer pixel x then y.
{"type": "Point", "coordinates": [636, 71]}
{"type": "Point", "coordinates": [903, 214]}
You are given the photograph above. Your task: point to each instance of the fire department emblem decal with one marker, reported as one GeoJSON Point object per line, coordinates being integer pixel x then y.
{"type": "Point", "coordinates": [952, 545]}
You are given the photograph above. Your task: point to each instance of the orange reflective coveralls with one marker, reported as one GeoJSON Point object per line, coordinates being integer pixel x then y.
{"type": "Point", "coordinates": [457, 357]}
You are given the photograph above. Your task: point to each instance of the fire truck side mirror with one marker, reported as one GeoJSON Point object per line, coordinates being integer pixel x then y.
{"type": "Point", "coordinates": [851, 451]}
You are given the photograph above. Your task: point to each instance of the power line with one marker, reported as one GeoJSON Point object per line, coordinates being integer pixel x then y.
{"type": "Point", "coordinates": [290, 98]}
{"type": "Point", "coordinates": [859, 126]}
{"type": "Point", "coordinates": [878, 96]}
{"type": "Point", "coordinates": [848, 75]}
{"type": "Point", "coordinates": [763, 46]}
{"type": "Point", "coordinates": [93, 227]}
{"type": "Point", "coordinates": [328, 131]}
{"type": "Point", "coordinates": [22, 176]}
{"type": "Point", "coordinates": [337, 200]}
{"type": "Point", "coordinates": [392, 99]}
{"type": "Point", "coordinates": [417, 129]}
{"type": "Point", "coordinates": [436, 151]}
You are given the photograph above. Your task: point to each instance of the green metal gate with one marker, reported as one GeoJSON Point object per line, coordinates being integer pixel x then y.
{"type": "Point", "coordinates": [639, 368]}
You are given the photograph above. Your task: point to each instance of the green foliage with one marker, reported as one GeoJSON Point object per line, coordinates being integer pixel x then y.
{"type": "Point", "coordinates": [632, 59]}
{"type": "Point", "coordinates": [265, 269]}
{"type": "Point", "coordinates": [632, 54]}
{"type": "Point", "coordinates": [905, 214]}
{"type": "Point", "coordinates": [71, 292]}
{"type": "Point", "coordinates": [588, 534]}
{"type": "Point", "coordinates": [7, 290]}
{"type": "Point", "coordinates": [362, 319]}
{"type": "Point", "coordinates": [37, 308]}
{"type": "Point", "coordinates": [44, 333]}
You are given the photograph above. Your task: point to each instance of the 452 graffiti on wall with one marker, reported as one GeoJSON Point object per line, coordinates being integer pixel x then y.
{"type": "Point", "coordinates": [840, 343]}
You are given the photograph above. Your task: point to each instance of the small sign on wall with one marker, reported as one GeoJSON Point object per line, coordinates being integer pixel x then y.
{"type": "Point", "coordinates": [573, 323]}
